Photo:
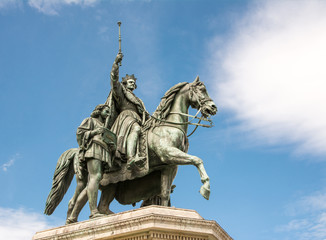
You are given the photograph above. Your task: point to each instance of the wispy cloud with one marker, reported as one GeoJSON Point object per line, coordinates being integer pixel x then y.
{"type": "Point", "coordinates": [51, 7]}
{"type": "Point", "coordinates": [103, 30]}
{"type": "Point", "coordinates": [4, 4]}
{"type": "Point", "coordinates": [312, 228]}
{"type": "Point", "coordinates": [104, 33]}
{"type": "Point", "coordinates": [9, 163]}
{"type": "Point", "coordinates": [294, 225]}
{"type": "Point", "coordinates": [313, 203]}
{"type": "Point", "coordinates": [21, 224]}
{"type": "Point", "coordinates": [309, 222]}
{"type": "Point", "coordinates": [271, 74]}
{"type": "Point", "coordinates": [48, 7]}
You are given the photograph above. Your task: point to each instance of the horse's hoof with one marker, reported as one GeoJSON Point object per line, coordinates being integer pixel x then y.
{"type": "Point", "coordinates": [205, 191]}
{"type": "Point", "coordinates": [70, 220]}
{"type": "Point", "coordinates": [97, 215]}
{"type": "Point", "coordinates": [106, 212]}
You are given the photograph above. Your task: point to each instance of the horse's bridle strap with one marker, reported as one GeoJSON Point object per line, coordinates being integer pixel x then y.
{"type": "Point", "coordinates": [185, 123]}
{"type": "Point", "coordinates": [193, 117]}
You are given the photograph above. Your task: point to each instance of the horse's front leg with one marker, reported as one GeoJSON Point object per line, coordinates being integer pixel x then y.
{"type": "Point", "coordinates": [174, 156]}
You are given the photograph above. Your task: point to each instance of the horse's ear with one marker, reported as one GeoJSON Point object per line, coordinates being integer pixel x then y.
{"type": "Point", "coordinates": [196, 80]}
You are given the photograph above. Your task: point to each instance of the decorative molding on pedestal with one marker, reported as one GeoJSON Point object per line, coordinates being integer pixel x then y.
{"type": "Point", "coordinates": [148, 223]}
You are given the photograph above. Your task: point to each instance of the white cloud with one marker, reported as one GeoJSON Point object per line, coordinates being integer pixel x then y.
{"type": "Point", "coordinates": [10, 4]}
{"type": "Point", "coordinates": [315, 202]}
{"type": "Point", "coordinates": [293, 225]}
{"type": "Point", "coordinates": [51, 7]}
{"type": "Point", "coordinates": [6, 165]}
{"type": "Point", "coordinates": [20, 224]}
{"type": "Point", "coordinates": [312, 223]}
{"type": "Point", "coordinates": [312, 228]}
{"type": "Point", "coordinates": [103, 30]}
{"type": "Point", "coordinates": [272, 75]}
{"type": "Point", "coordinates": [318, 231]}
{"type": "Point", "coordinates": [11, 162]}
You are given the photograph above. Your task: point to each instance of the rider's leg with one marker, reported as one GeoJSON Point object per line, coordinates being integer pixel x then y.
{"type": "Point", "coordinates": [94, 167]}
{"type": "Point", "coordinates": [132, 141]}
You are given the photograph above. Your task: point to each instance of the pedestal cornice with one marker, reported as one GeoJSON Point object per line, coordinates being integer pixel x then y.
{"type": "Point", "coordinates": [152, 222]}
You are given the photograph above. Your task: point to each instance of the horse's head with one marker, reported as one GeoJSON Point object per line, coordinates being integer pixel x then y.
{"type": "Point", "coordinates": [200, 99]}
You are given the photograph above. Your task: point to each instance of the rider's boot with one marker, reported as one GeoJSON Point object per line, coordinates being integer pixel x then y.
{"type": "Point", "coordinates": [135, 162]}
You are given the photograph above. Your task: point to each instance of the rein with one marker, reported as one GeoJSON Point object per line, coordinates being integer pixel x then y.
{"type": "Point", "coordinates": [189, 122]}
{"type": "Point", "coordinates": [196, 124]}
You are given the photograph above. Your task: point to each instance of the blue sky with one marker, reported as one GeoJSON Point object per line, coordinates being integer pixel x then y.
{"type": "Point", "coordinates": [263, 64]}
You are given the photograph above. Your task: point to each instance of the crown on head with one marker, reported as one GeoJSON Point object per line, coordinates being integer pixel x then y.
{"type": "Point", "coordinates": [132, 76]}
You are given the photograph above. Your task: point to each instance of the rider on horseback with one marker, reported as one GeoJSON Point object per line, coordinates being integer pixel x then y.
{"type": "Point", "coordinates": [131, 114]}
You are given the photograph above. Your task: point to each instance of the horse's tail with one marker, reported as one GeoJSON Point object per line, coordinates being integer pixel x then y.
{"type": "Point", "coordinates": [63, 175]}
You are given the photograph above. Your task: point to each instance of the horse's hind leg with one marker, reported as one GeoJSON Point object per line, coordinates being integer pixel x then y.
{"type": "Point", "coordinates": [174, 156]}
{"type": "Point", "coordinates": [80, 203]}
{"type": "Point", "coordinates": [167, 176]}
{"type": "Point", "coordinates": [79, 188]}
{"type": "Point", "coordinates": [107, 196]}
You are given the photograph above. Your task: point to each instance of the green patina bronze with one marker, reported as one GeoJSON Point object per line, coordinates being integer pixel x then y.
{"type": "Point", "coordinates": [127, 153]}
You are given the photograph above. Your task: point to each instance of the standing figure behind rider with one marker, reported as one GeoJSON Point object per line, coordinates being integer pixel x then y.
{"type": "Point", "coordinates": [131, 110]}
{"type": "Point", "coordinates": [94, 155]}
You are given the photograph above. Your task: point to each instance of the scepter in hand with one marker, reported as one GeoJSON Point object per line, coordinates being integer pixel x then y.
{"type": "Point", "coordinates": [119, 23]}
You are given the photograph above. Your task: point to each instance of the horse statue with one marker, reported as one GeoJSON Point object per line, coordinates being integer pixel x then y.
{"type": "Point", "coordinates": [166, 143]}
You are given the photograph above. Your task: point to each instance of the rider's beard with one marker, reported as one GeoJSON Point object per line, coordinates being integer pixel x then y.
{"type": "Point", "coordinates": [131, 88]}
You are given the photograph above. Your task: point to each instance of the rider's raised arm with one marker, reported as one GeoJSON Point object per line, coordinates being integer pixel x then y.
{"type": "Point", "coordinates": [114, 76]}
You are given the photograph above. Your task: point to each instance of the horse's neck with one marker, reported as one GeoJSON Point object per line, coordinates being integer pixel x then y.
{"type": "Point", "coordinates": [179, 105]}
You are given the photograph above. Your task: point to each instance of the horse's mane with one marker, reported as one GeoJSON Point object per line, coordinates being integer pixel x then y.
{"type": "Point", "coordinates": [163, 109]}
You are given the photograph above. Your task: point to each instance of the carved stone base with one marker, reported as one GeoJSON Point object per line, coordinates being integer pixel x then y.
{"type": "Point", "coordinates": [152, 223]}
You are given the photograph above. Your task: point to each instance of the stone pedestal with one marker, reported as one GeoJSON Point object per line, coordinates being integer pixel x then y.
{"type": "Point", "coordinates": [152, 222]}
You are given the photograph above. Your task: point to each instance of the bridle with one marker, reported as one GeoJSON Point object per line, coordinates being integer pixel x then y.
{"type": "Point", "coordinates": [201, 102]}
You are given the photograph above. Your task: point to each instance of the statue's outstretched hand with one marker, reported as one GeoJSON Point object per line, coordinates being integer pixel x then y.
{"type": "Point", "coordinates": [118, 58]}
